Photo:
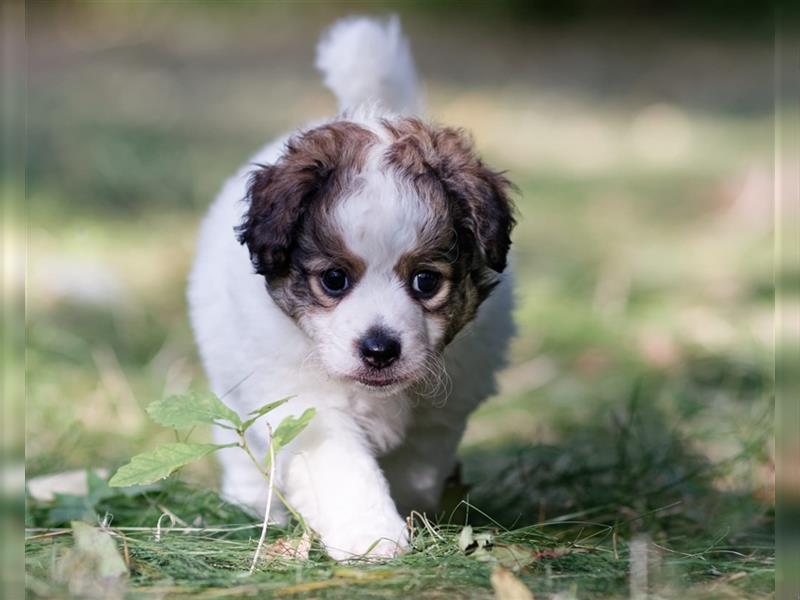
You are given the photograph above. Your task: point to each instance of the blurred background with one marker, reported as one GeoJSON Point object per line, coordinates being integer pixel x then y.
{"type": "Point", "coordinates": [641, 140]}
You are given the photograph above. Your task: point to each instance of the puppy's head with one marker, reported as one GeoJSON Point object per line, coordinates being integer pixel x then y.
{"type": "Point", "coordinates": [380, 242]}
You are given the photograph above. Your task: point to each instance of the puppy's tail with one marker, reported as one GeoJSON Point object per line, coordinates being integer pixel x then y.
{"type": "Point", "coordinates": [367, 61]}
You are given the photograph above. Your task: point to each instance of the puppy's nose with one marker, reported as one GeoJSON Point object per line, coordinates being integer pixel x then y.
{"type": "Point", "coordinates": [379, 348]}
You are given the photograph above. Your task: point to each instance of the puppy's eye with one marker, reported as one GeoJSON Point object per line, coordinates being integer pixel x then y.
{"type": "Point", "coordinates": [335, 281]}
{"type": "Point", "coordinates": [426, 283]}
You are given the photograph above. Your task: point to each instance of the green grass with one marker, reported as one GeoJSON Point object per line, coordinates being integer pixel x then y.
{"type": "Point", "coordinates": [578, 555]}
{"type": "Point", "coordinates": [571, 508]}
{"type": "Point", "coordinates": [637, 406]}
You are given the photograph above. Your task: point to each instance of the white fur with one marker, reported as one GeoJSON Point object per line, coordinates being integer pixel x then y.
{"type": "Point", "coordinates": [380, 222]}
{"type": "Point", "coordinates": [368, 457]}
{"type": "Point", "coordinates": [365, 59]}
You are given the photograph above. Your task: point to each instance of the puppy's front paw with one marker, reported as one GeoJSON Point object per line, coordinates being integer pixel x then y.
{"type": "Point", "coordinates": [373, 541]}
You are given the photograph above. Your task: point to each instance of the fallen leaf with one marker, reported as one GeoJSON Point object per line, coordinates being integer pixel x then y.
{"type": "Point", "coordinates": [465, 539]}
{"type": "Point", "coordinates": [512, 556]}
{"type": "Point", "coordinates": [100, 546]}
{"type": "Point", "coordinates": [291, 549]}
{"type": "Point", "coordinates": [93, 567]}
{"type": "Point", "coordinates": [482, 547]}
{"type": "Point", "coordinates": [507, 587]}
{"type": "Point", "coordinates": [470, 542]}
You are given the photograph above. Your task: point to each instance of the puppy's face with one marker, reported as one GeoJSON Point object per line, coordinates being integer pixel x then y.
{"type": "Point", "coordinates": [380, 244]}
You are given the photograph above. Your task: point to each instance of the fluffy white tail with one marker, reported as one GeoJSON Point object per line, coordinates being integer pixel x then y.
{"type": "Point", "coordinates": [368, 61]}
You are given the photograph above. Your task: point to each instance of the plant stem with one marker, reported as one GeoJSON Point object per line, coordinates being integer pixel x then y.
{"type": "Point", "coordinates": [269, 501]}
{"type": "Point", "coordinates": [244, 446]}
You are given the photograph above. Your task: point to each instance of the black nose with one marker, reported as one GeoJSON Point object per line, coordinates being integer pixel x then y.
{"type": "Point", "coordinates": [379, 348]}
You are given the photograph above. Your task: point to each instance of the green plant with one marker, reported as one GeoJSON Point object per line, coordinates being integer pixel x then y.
{"type": "Point", "coordinates": [186, 411]}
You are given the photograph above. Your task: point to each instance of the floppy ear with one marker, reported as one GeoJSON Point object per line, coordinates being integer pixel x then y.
{"type": "Point", "coordinates": [278, 195]}
{"type": "Point", "coordinates": [484, 194]}
{"type": "Point", "coordinates": [314, 166]}
{"type": "Point", "coordinates": [478, 195]}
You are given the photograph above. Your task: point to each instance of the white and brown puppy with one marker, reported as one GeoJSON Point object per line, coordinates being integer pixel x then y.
{"type": "Point", "coordinates": [356, 267]}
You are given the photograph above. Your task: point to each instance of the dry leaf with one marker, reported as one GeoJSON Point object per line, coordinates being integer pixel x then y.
{"type": "Point", "coordinates": [465, 539]}
{"type": "Point", "coordinates": [470, 542]}
{"type": "Point", "coordinates": [482, 547]}
{"type": "Point", "coordinates": [93, 567]}
{"type": "Point", "coordinates": [513, 556]}
{"type": "Point", "coordinates": [508, 587]}
{"type": "Point", "coordinates": [290, 549]}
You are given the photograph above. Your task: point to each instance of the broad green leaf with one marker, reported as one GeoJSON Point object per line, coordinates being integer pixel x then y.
{"type": "Point", "coordinates": [160, 463]}
{"type": "Point", "coordinates": [290, 427]}
{"type": "Point", "coordinates": [99, 547]}
{"type": "Point", "coordinates": [260, 412]}
{"type": "Point", "coordinates": [190, 409]}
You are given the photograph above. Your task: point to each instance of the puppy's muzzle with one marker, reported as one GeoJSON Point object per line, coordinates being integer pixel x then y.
{"type": "Point", "coordinates": [379, 348]}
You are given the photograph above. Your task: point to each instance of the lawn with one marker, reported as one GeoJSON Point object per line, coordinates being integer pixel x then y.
{"type": "Point", "coordinates": [630, 446]}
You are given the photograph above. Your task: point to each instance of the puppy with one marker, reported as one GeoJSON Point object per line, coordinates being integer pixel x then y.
{"type": "Point", "coordinates": [355, 265]}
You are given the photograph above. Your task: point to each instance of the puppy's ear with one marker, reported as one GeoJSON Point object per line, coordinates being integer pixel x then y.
{"type": "Point", "coordinates": [479, 197]}
{"type": "Point", "coordinates": [313, 168]}
{"type": "Point", "coordinates": [279, 196]}
{"type": "Point", "coordinates": [484, 194]}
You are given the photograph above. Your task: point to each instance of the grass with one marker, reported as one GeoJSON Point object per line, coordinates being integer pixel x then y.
{"type": "Point", "coordinates": [573, 557]}
{"type": "Point", "coordinates": [572, 510]}
{"type": "Point", "coordinates": [633, 425]}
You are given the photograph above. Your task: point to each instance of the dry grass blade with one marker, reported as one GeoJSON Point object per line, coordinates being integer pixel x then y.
{"type": "Point", "coordinates": [269, 500]}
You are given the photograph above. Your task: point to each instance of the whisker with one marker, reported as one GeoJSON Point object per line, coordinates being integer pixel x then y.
{"type": "Point", "coordinates": [435, 380]}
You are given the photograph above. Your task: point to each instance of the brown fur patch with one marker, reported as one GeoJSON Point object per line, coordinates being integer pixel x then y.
{"type": "Point", "coordinates": [284, 227]}
{"type": "Point", "coordinates": [472, 215]}
{"type": "Point", "coordinates": [316, 167]}
{"type": "Point", "coordinates": [442, 161]}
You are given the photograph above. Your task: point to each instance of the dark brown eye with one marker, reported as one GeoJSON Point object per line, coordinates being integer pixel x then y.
{"type": "Point", "coordinates": [335, 282]}
{"type": "Point", "coordinates": [426, 283]}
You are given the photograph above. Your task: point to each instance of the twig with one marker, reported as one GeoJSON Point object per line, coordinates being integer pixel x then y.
{"type": "Point", "coordinates": [244, 446]}
{"type": "Point", "coordinates": [269, 501]}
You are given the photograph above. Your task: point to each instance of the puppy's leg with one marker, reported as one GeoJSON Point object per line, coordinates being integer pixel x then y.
{"type": "Point", "coordinates": [331, 477]}
{"type": "Point", "coordinates": [417, 470]}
